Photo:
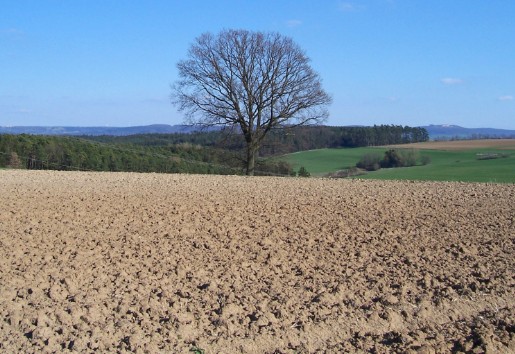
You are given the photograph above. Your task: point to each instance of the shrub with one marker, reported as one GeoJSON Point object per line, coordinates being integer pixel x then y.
{"type": "Point", "coordinates": [490, 156]}
{"type": "Point", "coordinates": [370, 162]}
{"type": "Point", "coordinates": [400, 158]}
{"type": "Point", "coordinates": [425, 159]}
{"type": "Point", "coordinates": [350, 172]}
{"type": "Point", "coordinates": [409, 157]}
{"type": "Point", "coordinates": [392, 159]}
{"type": "Point", "coordinates": [14, 161]}
{"type": "Point", "coordinates": [303, 172]}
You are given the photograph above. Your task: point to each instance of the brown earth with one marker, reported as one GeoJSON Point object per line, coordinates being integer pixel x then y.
{"type": "Point", "coordinates": [116, 262]}
{"type": "Point", "coordinates": [508, 144]}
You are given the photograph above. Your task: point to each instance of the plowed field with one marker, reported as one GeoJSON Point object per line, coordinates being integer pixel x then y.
{"type": "Point", "coordinates": [116, 262]}
{"type": "Point", "coordinates": [505, 144]}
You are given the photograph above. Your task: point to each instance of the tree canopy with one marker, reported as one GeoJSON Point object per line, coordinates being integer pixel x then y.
{"type": "Point", "coordinates": [252, 82]}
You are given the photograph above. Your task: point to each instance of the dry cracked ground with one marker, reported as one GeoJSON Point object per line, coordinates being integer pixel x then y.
{"type": "Point", "coordinates": [149, 263]}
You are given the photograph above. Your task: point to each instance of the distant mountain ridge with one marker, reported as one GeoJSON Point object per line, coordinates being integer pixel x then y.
{"type": "Point", "coordinates": [443, 131]}
{"type": "Point", "coordinates": [449, 131]}
{"type": "Point", "coordinates": [95, 131]}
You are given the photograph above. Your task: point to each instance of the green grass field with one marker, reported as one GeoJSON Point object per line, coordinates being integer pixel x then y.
{"type": "Point", "coordinates": [461, 165]}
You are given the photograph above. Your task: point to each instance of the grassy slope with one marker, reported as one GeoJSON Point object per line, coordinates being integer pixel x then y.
{"type": "Point", "coordinates": [323, 161]}
{"type": "Point", "coordinates": [444, 166]}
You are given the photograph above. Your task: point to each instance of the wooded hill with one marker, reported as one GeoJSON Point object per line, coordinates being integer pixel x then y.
{"type": "Point", "coordinates": [217, 152]}
{"type": "Point", "coordinates": [79, 153]}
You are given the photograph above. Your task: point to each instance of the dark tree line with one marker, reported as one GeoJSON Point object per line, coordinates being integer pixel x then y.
{"type": "Point", "coordinates": [286, 140]}
{"type": "Point", "coordinates": [320, 137]}
{"type": "Point", "coordinates": [382, 135]}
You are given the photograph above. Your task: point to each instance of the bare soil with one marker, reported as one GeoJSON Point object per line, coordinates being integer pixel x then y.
{"type": "Point", "coordinates": [508, 144]}
{"type": "Point", "coordinates": [119, 262]}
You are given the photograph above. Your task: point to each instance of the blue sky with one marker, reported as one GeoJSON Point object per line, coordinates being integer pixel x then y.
{"type": "Point", "coordinates": [111, 63]}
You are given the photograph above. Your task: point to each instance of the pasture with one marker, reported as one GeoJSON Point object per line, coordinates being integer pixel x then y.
{"type": "Point", "coordinates": [459, 161]}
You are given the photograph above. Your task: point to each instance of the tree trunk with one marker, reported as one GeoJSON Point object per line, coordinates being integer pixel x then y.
{"type": "Point", "coordinates": [251, 159]}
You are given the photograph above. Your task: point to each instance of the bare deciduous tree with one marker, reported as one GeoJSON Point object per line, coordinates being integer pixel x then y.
{"type": "Point", "coordinates": [250, 81]}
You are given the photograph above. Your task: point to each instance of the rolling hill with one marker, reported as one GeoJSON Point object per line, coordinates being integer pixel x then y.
{"type": "Point", "coordinates": [436, 132]}
{"type": "Point", "coordinates": [447, 131]}
{"type": "Point", "coordinates": [95, 131]}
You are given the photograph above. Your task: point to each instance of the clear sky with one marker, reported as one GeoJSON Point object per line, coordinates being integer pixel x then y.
{"type": "Point", "coordinates": [111, 63]}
